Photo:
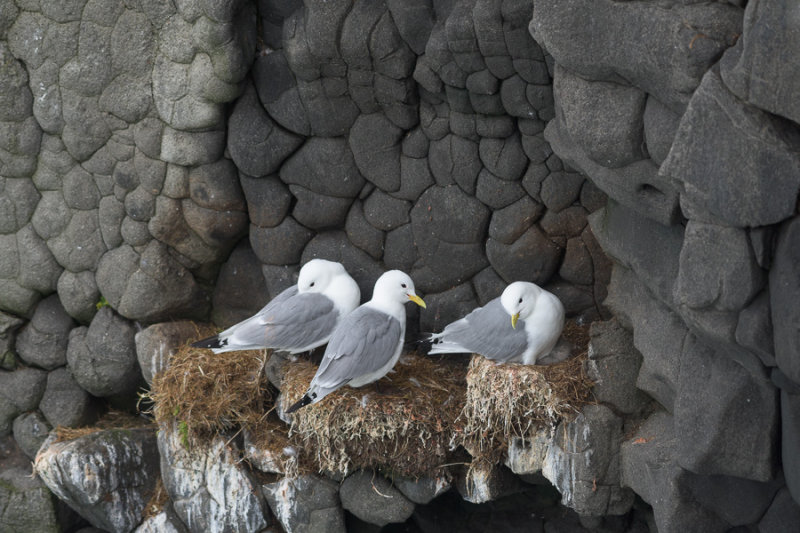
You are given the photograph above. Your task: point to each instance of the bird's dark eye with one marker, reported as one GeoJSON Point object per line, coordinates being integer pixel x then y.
{"type": "Point", "coordinates": [520, 300]}
{"type": "Point", "coordinates": [312, 284]}
{"type": "Point", "coordinates": [403, 285]}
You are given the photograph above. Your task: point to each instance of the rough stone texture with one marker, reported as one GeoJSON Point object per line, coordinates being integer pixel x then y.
{"type": "Point", "coordinates": [717, 268]}
{"type": "Point", "coordinates": [9, 325]}
{"type": "Point", "coordinates": [737, 501]}
{"type": "Point", "coordinates": [782, 515]}
{"type": "Point", "coordinates": [783, 287]}
{"type": "Point", "coordinates": [509, 223]}
{"type": "Point", "coordinates": [156, 285]}
{"type": "Point", "coordinates": [649, 466]}
{"type": "Point", "coordinates": [268, 200]}
{"type": "Point", "coordinates": [325, 166]}
{"type": "Point", "coordinates": [43, 341]}
{"type": "Point", "coordinates": [754, 329]}
{"type": "Point", "coordinates": [102, 357]}
{"type": "Point", "coordinates": [648, 248]}
{"type": "Point", "coordinates": [79, 295]}
{"type": "Point", "coordinates": [638, 185]}
{"type": "Point", "coordinates": [448, 306]}
{"type": "Point", "coordinates": [614, 366]}
{"type": "Point", "coordinates": [603, 118]}
{"type": "Point", "coordinates": [306, 504]}
{"type": "Point", "coordinates": [362, 233]}
{"type": "Point", "coordinates": [532, 257]}
{"type": "Point", "coordinates": [660, 125]}
{"type": "Point", "coordinates": [385, 212]}
{"type": "Point", "coordinates": [658, 334]}
{"type": "Point", "coordinates": [560, 189]}
{"type": "Point", "coordinates": [743, 178]}
{"type": "Point", "coordinates": [26, 503]}
{"type": "Point", "coordinates": [754, 69]}
{"type": "Point", "coordinates": [373, 499]}
{"type": "Point", "coordinates": [64, 402]}
{"type": "Point", "coordinates": [165, 521]}
{"type": "Point", "coordinates": [98, 79]}
{"type": "Point", "coordinates": [107, 476]}
{"type": "Point", "coordinates": [209, 489]}
{"type": "Point", "coordinates": [257, 145]}
{"type": "Point", "coordinates": [375, 142]}
{"type": "Point", "coordinates": [240, 290]}
{"type": "Point", "coordinates": [449, 238]}
{"type": "Point", "coordinates": [20, 391]}
{"type": "Point", "coordinates": [526, 457]}
{"type": "Point", "coordinates": [677, 56]}
{"type": "Point", "coordinates": [422, 490]}
{"type": "Point", "coordinates": [790, 431]}
{"type": "Point", "coordinates": [584, 463]}
{"type": "Point", "coordinates": [280, 245]}
{"type": "Point", "coordinates": [30, 431]}
{"type": "Point", "coordinates": [726, 419]}
{"type": "Point", "coordinates": [157, 343]}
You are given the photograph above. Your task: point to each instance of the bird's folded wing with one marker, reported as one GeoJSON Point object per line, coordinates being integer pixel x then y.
{"type": "Point", "coordinates": [487, 331]}
{"type": "Point", "coordinates": [293, 321]}
{"type": "Point", "coordinates": [365, 341]}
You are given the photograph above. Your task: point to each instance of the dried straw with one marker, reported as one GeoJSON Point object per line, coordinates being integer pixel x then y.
{"type": "Point", "coordinates": [111, 420]}
{"type": "Point", "coordinates": [409, 423]}
{"type": "Point", "coordinates": [405, 429]}
{"type": "Point", "coordinates": [514, 400]}
{"type": "Point", "coordinates": [209, 393]}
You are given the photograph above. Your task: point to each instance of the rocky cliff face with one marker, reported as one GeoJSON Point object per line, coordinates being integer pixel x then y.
{"type": "Point", "coordinates": [181, 160]}
{"type": "Point", "coordinates": [666, 109]}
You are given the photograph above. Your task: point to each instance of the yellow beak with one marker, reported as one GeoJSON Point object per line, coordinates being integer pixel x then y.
{"type": "Point", "coordinates": [514, 319]}
{"type": "Point", "coordinates": [417, 300]}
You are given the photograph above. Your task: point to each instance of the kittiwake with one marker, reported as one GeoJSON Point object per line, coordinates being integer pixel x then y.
{"type": "Point", "coordinates": [298, 319]}
{"type": "Point", "coordinates": [368, 341]}
{"type": "Point", "coordinates": [520, 326]}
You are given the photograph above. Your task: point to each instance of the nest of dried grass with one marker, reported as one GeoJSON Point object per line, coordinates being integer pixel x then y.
{"type": "Point", "coordinates": [111, 420]}
{"type": "Point", "coordinates": [207, 393]}
{"type": "Point", "coordinates": [409, 423]}
{"type": "Point", "coordinates": [405, 430]}
{"type": "Point", "coordinates": [270, 434]}
{"type": "Point", "coordinates": [514, 400]}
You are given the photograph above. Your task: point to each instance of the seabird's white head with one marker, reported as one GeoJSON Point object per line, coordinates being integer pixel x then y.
{"type": "Point", "coordinates": [519, 300]}
{"type": "Point", "coordinates": [394, 288]}
{"type": "Point", "coordinates": [317, 274]}
{"type": "Point", "coordinates": [332, 280]}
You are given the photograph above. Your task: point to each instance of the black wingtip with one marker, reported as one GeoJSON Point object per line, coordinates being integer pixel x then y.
{"type": "Point", "coordinates": [302, 402]}
{"type": "Point", "coordinates": [210, 342]}
{"type": "Point", "coordinates": [423, 343]}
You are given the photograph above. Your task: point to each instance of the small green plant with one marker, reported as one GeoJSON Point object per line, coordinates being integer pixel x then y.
{"type": "Point", "coordinates": [183, 430]}
{"type": "Point", "coordinates": [102, 303]}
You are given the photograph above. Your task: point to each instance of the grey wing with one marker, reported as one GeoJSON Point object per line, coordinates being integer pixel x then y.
{"type": "Point", "coordinates": [364, 342]}
{"type": "Point", "coordinates": [290, 321]}
{"type": "Point", "coordinates": [487, 331]}
{"type": "Point", "coordinates": [301, 321]}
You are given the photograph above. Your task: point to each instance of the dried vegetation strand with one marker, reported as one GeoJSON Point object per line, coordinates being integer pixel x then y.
{"type": "Point", "coordinates": [514, 400]}
{"type": "Point", "coordinates": [403, 428]}
{"type": "Point", "coordinates": [113, 419]}
{"type": "Point", "coordinates": [158, 500]}
{"type": "Point", "coordinates": [208, 393]}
